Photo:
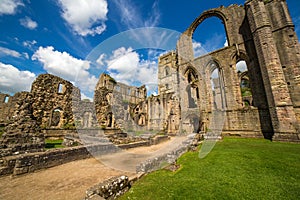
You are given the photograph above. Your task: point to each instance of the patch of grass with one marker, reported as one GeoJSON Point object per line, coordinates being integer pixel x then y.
{"type": "Point", "coordinates": [50, 144]}
{"type": "Point", "coordinates": [235, 169]}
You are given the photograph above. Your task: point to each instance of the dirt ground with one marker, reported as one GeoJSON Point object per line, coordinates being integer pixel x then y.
{"type": "Point", "coordinates": [68, 181]}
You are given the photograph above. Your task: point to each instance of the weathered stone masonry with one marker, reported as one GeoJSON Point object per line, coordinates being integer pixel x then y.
{"type": "Point", "coordinates": [261, 33]}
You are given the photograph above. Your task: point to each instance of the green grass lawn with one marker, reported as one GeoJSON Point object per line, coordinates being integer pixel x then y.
{"type": "Point", "coordinates": [235, 169]}
{"type": "Point", "coordinates": [50, 144]}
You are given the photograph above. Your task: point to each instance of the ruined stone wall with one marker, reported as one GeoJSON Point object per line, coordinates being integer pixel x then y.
{"type": "Point", "coordinates": [163, 113]}
{"type": "Point", "coordinates": [85, 115]}
{"type": "Point", "coordinates": [7, 107]}
{"type": "Point", "coordinates": [22, 134]}
{"type": "Point", "coordinates": [131, 94]}
{"type": "Point", "coordinates": [262, 34]}
{"type": "Point", "coordinates": [127, 108]}
{"type": "Point", "coordinates": [53, 101]}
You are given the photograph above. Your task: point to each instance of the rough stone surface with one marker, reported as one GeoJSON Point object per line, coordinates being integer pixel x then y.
{"type": "Point", "coordinates": [109, 189]}
{"type": "Point", "coordinates": [22, 133]}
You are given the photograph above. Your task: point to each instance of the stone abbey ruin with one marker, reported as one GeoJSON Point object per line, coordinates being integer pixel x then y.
{"type": "Point", "coordinates": [262, 101]}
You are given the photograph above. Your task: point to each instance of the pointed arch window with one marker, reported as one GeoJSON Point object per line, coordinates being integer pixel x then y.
{"type": "Point", "coordinates": [217, 86]}
{"type": "Point", "coordinates": [245, 86]}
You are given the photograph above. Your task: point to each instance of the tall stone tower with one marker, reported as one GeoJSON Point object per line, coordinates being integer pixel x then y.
{"type": "Point", "coordinates": [167, 73]}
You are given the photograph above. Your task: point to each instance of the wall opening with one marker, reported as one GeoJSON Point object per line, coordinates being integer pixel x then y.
{"type": "Point", "coordinates": [217, 88]}
{"type": "Point", "coordinates": [61, 88]}
{"type": "Point", "coordinates": [167, 71]}
{"type": "Point", "coordinates": [192, 88]}
{"type": "Point", "coordinates": [209, 36]}
{"type": "Point", "coordinates": [245, 85]}
{"type": "Point", "coordinates": [55, 117]}
{"type": "Point", "coordinates": [110, 120]}
{"type": "Point", "coordinates": [6, 99]}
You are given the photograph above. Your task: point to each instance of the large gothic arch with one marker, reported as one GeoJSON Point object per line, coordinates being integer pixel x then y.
{"type": "Point", "coordinates": [207, 14]}
{"type": "Point", "coordinates": [252, 36]}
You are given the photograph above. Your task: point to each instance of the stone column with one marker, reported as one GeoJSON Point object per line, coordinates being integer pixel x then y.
{"type": "Point", "coordinates": [278, 96]}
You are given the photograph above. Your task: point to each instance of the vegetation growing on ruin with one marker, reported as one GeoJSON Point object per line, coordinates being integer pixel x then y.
{"type": "Point", "coordinates": [235, 169]}
{"type": "Point", "coordinates": [246, 92]}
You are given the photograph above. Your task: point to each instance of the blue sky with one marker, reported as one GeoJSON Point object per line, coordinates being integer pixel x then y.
{"type": "Point", "coordinates": [57, 36]}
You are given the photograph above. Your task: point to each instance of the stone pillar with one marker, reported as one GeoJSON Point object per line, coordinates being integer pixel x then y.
{"type": "Point", "coordinates": [288, 48]}
{"type": "Point", "coordinates": [278, 96]}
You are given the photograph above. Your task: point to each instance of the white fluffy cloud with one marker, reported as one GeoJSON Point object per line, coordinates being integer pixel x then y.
{"type": "Point", "coordinates": [127, 67]}
{"type": "Point", "coordinates": [28, 23]}
{"type": "Point", "coordinates": [241, 66]}
{"type": "Point", "coordinates": [64, 65]}
{"type": "Point", "coordinates": [13, 80]}
{"type": "Point", "coordinates": [85, 17]}
{"type": "Point", "coordinates": [9, 7]}
{"type": "Point", "coordinates": [198, 49]}
{"type": "Point", "coordinates": [9, 52]}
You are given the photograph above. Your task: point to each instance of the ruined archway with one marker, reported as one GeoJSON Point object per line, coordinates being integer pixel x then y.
{"type": "Point", "coordinates": [192, 88]}
{"type": "Point", "coordinates": [210, 35]}
{"type": "Point", "coordinates": [203, 16]}
{"type": "Point", "coordinates": [216, 86]}
{"type": "Point", "coordinates": [56, 117]}
{"type": "Point", "coordinates": [244, 82]}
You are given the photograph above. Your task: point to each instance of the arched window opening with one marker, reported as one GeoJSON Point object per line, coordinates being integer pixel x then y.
{"type": "Point", "coordinates": [217, 86]}
{"type": "Point", "coordinates": [192, 88]}
{"type": "Point", "coordinates": [167, 71]}
{"type": "Point", "coordinates": [55, 117]}
{"type": "Point", "coordinates": [209, 36]}
{"type": "Point", "coordinates": [110, 120]}
{"type": "Point", "coordinates": [245, 85]}
{"type": "Point", "coordinates": [142, 120]}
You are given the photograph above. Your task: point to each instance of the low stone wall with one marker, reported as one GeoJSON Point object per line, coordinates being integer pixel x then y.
{"type": "Point", "coordinates": [167, 158]}
{"type": "Point", "coordinates": [109, 189]}
{"type": "Point", "coordinates": [30, 162]}
{"type": "Point", "coordinates": [134, 145]}
{"type": "Point", "coordinates": [26, 163]}
{"type": "Point", "coordinates": [58, 133]}
{"type": "Point", "coordinates": [158, 139]}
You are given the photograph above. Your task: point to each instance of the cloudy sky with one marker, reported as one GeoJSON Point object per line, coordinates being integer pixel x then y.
{"type": "Point", "coordinates": [58, 36]}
